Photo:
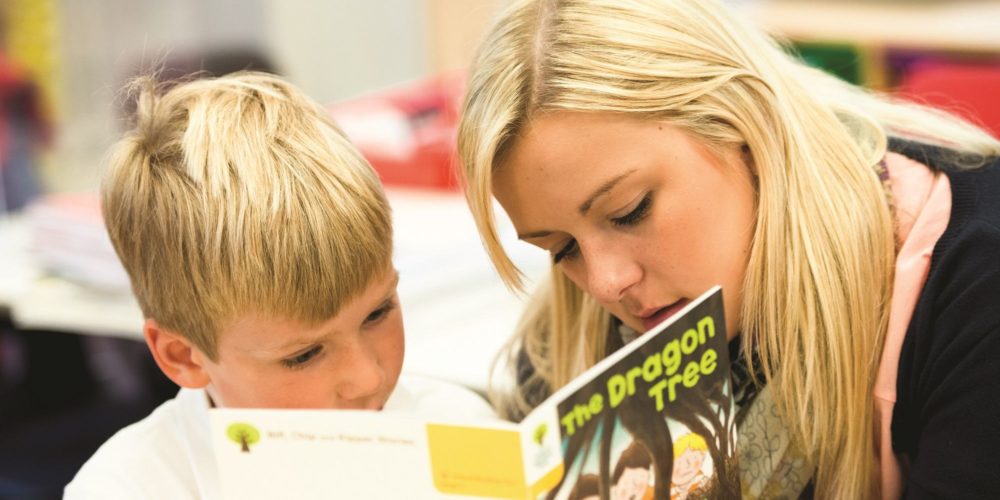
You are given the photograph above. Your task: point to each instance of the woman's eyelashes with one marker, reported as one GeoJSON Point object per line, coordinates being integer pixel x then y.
{"type": "Point", "coordinates": [637, 214]}
{"type": "Point", "coordinates": [300, 360]}
{"type": "Point", "coordinates": [380, 313]}
{"type": "Point", "coordinates": [570, 249]}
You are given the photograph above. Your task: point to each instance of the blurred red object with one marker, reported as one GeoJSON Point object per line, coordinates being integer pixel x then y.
{"type": "Point", "coordinates": [407, 132]}
{"type": "Point", "coordinates": [967, 89]}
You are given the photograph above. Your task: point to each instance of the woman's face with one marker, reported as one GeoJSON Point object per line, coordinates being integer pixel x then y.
{"type": "Point", "coordinates": [638, 213]}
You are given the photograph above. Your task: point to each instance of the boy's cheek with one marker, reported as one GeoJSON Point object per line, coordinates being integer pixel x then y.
{"type": "Point", "coordinates": [390, 348]}
{"type": "Point", "coordinates": [394, 350]}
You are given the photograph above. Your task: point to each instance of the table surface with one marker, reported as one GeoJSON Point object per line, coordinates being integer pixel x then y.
{"type": "Point", "coordinates": [456, 311]}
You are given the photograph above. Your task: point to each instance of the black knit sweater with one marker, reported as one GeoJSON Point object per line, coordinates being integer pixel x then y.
{"type": "Point", "coordinates": [946, 422]}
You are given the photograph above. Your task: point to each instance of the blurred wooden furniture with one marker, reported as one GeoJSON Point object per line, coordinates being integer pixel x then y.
{"type": "Point", "coordinates": [886, 36]}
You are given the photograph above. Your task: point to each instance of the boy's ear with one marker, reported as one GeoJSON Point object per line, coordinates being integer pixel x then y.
{"type": "Point", "coordinates": [177, 358]}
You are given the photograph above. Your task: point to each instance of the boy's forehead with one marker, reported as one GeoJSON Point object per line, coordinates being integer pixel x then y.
{"type": "Point", "coordinates": [264, 332]}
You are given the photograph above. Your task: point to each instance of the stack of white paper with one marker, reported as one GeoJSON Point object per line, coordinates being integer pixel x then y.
{"type": "Point", "coordinates": [68, 239]}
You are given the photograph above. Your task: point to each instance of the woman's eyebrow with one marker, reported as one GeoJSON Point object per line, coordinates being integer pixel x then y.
{"type": "Point", "coordinates": [602, 190]}
{"type": "Point", "coordinates": [533, 234]}
{"type": "Point", "coordinates": [585, 206]}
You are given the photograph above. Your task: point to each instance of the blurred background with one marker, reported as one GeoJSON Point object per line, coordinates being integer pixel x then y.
{"type": "Point", "coordinates": [73, 368]}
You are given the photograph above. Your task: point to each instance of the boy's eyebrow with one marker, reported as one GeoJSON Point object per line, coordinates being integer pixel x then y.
{"type": "Point", "coordinates": [395, 282]}
{"type": "Point", "coordinates": [298, 343]}
{"type": "Point", "coordinates": [391, 290]}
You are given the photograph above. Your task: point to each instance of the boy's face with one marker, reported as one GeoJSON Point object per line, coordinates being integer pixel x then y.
{"type": "Point", "coordinates": [687, 466]}
{"type": "Point", "coordinates": [351, 361]}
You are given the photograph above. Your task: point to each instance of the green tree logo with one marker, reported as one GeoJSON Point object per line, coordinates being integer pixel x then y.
{"type": "Point", "coordinates": [243, 434]}
{"type": "Point", "coordinates": [540, 433]}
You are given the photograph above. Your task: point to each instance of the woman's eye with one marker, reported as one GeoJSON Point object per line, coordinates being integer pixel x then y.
{"type": "Point", "coordinates": [300, 360]}
{"type": "Point", "coordinates": [637, 214]}
{"type": "Point", "coordinates": [380, 313]}
{"type": "Point", "coordinates": [568, 251]}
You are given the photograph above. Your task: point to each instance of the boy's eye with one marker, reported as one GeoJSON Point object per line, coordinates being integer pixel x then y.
{"type": "Point", "coordinates": [637, 214]}
{"type": "Point", "coordinates": [300, 360]}
{"type": "Point", "coordinates": [568, 251]}
{"type": "Point", "coordinates": [380, 313]}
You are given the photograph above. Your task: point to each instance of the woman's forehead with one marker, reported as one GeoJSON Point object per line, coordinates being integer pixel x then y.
{"type": "Point", "coordinates": [589, 150]}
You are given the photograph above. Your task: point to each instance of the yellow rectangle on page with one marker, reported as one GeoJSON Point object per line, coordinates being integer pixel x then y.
{"type": "Point", "coordinates": [547, 482]}
{"type": "Point", "coordinates": [476, 462]}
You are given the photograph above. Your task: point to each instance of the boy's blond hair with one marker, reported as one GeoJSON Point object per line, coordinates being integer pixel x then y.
{"type": "Point", "coordinates": [690, 441]}
{"type": "Point", "coordinates": [239, 195]}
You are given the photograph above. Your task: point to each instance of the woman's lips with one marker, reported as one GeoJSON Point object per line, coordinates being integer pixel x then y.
{"type": "Point", "coordinates": [661, 315]}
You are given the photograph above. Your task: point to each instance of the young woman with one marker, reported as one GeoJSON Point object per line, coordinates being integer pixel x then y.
{"type": "Point", "coordinates": [658, 147]}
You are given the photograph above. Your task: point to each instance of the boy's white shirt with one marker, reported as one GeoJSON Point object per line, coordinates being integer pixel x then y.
{"type": "Point", "coordinates": [169, 454]}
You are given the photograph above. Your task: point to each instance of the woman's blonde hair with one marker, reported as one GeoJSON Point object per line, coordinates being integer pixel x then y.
{"type": "Point", "coordinates": [818, 283]}
{"type": "Point", "coordinates": [238, 195]}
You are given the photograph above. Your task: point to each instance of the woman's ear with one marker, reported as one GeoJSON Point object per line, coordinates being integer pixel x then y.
{"type": "Point", "coordinates": [177, 358]}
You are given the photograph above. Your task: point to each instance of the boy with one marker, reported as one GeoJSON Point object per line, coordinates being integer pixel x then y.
{"type": "Point", "coordinates": [259, 245]}
{"type": "Point", "coordinates": [690, 452]}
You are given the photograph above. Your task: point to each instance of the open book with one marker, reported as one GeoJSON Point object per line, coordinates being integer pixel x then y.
{"type": "Point", "coordinates": [655, 419]}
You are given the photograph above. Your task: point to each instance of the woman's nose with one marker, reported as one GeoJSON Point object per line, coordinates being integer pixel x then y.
{"type": "Point", "coordinates": [610, 274]}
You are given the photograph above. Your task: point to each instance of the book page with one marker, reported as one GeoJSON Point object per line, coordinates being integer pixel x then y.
{"type": "Point", "coordinates": [306, 454]}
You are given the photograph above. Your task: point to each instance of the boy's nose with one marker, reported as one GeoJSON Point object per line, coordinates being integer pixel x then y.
{"type": "Point", "coordinates": [360, 378]}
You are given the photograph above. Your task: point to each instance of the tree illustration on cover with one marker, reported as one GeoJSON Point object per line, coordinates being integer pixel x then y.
{"type": "Point", "coordinates": [243, 434]}
{"type": "Point", "coordinates": [539, 435]}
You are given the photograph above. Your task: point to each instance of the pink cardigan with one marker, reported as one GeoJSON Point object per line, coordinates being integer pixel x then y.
{"type": "Point", "coordinates": [922, 200]}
